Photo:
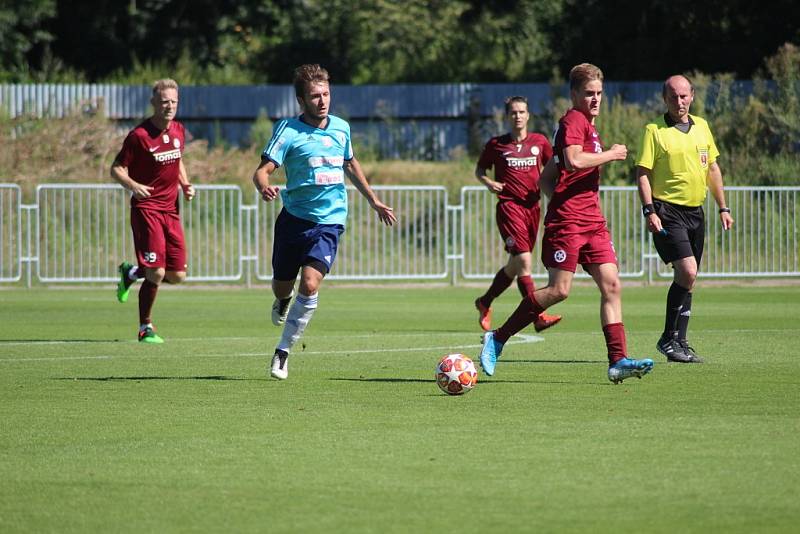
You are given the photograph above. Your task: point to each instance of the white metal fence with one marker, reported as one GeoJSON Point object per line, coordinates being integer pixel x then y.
{"type": "Point", "coordinates": [80, 233]}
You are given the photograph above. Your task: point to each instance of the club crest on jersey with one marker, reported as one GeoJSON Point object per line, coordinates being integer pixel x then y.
{"type": "Point", "coordinates": [703, 157]}
{"type": "Point", "coordinates": [341, 137]}
{"type": "Point", "coordinates": [176, 143]}
{"type": "Point", "coordinates": [535, 150]}
{"type": "Point", "coordinates": [559, 255]}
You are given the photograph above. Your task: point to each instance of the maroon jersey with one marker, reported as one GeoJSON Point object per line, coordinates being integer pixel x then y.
{"type": "Point", "coordinates": [517, 164]}
{"type": "Point", "coordinates": [153, 157]}
{"type": "Point", "coordinates": [576, 196]}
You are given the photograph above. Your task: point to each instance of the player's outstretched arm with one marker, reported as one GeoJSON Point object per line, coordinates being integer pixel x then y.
{"type": "Point", "coordinates": [261, 180]}
{"type": "Point", "coordinates": [353, 169]}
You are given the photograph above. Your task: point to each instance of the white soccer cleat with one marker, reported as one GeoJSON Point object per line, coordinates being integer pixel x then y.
{"type": "Point", "coordinates": [280, 309]}
{"type": "Point", "coordinates": [279, 367]}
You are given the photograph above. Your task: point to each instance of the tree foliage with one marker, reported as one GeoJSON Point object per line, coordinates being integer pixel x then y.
{"type": "Point", "coordinates": [385, 41]}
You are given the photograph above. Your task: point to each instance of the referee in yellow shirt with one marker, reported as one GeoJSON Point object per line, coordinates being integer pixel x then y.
{"type": "Point", "coordinates": [677, 164]}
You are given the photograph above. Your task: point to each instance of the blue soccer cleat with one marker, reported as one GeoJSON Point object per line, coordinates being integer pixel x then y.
{"type": "Point", "coordinates": [627, 367]}
{"type": "Point", "coordinates": [490, 352]}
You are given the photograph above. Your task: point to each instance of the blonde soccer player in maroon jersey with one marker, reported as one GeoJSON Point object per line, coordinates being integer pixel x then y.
{"type": "Point", "coordinates": [150, 166]}
{"type": "Point", "coordinates": [576, 231]}
{"type": "Point", "coordinates": [517, 158]}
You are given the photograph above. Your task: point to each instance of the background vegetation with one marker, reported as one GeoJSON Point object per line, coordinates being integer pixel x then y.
{"type": "Point", "coordinates": [384, 41]}
{"type": "Point", "coordinates": [757, 135]}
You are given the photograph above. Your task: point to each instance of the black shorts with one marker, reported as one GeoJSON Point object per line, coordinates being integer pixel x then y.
{"type": "Point", "coordinates": [686, 231]}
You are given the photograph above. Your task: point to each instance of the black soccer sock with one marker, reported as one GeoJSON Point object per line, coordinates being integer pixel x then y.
{"type": "Point", "coordinates": [684, 316]}
{"type": "Point", "coordinates": [675, 299]}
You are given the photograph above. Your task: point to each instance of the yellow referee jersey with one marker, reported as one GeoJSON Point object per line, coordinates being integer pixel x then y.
{"type": "Point", "coordinates": [678, 161]}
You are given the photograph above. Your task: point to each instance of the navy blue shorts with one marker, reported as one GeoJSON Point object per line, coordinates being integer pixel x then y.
{"type": "Point", "coordinates": [300, 242]}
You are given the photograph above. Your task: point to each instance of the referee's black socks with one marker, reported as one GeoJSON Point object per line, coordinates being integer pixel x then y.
{"type": "Point", "coordinates": [675, 301]}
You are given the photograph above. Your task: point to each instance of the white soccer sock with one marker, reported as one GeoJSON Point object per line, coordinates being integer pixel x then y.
{"type": "Point", "coordinates": [299, 316]}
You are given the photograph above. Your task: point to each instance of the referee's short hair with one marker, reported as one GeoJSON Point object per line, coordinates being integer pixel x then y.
{"type": "Point", "coordinates": [664, 86]}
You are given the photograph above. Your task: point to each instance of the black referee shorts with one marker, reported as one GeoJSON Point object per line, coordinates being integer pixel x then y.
{"type": "Point", "coordinates": [686, 230]}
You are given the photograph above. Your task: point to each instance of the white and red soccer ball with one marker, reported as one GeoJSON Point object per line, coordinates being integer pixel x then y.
{"type": "Point", "coordinates": [456, 374]}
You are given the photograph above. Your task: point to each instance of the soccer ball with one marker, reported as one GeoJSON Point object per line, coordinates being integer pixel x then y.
{"type": "Point", "coordinates": [456, 374]}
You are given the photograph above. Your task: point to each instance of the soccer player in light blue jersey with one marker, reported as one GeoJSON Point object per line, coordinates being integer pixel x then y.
{"type": "Point", "coordinates": [316, 152]}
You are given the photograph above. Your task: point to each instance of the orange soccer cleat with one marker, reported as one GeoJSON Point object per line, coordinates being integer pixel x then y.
{"type": "Point", "coordinates": [544, 321]}
{"type": "Point", "coordinates": [485, 317]}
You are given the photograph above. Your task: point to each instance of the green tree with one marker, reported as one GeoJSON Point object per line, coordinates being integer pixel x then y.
{"type": "Point", "coordinates": [22, 35]}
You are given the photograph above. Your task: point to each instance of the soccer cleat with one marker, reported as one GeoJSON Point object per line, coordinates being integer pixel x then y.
{"type": "Point", "coordinates": [490, 352]}
{"type": "Point", "coordinates": [280, 309]}
{"type": "Point", "coordinates": [544, 321]}
{"type": "Point", "coordinates": [484, 315]}
{"type": "Point", "coordinates": [627, 367]}
{"type": "Point", "coordinates": [148, 335]}
{"type": "Point", "coordinates": [675, 351]}
{"type": "Point", "coordinates": [279, 367]}
{"type": "Point", "coordinates": [689, 351]}
{"type": "Point", "coordinates": [669, 347]}
{"type": "Point", "coordinates": [125, 283]}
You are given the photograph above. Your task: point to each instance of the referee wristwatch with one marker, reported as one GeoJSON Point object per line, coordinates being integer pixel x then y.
{"type": "Point", "coordinates": [724, 210]}
{"type": "Point", "coordinates": [647, 210]}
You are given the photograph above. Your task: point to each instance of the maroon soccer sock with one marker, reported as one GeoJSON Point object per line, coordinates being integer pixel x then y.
{"type": "Point", "coordinates": [615, 342]}
{"type": "Point", "coordinates": [499, 284]}
{"type": "Point", "coordinates": [147, 296]}
{"type": "Point", "coordinates": [525, 285]}
{"type": "Point", "coordinates": [527, 311]}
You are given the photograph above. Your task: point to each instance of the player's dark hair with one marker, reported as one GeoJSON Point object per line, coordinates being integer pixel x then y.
{"type": "Point", "coordinates": [583, 73]}
{"type": "Point", "coordinates": [664, 86]}
{"type": "Point", "coordinates": [308, 73]}
{"type": "Point", "coordinates": [512, 99]}
{"type": "Point", "coordinates": [165, 83]}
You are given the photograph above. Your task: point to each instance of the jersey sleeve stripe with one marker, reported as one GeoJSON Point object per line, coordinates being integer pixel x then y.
{"type": "Point", "coordinates": [276, 135]}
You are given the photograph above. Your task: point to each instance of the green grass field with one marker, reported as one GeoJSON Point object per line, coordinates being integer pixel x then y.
{"type": "Point", "coordinates": [101, 434]}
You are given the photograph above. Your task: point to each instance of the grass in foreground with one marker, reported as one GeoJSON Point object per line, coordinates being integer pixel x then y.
{"type": "Point", "coordinates": [103, 434]}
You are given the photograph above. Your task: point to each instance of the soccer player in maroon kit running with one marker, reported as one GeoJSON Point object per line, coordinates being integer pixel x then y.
{"type": "Point", "coordinates": [576, 231]}
{"type": "Point", "coordinates": [150, 166]}
{"type": "Point", "coordinates": [517, 158]}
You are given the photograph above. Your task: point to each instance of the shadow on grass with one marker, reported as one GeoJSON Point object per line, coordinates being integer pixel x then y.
{"type": "Point", "coordinates": [554, 361]}
{"type": "Point", "coordinates": [45, 341]}
{"type": "Point", "coordinates": [422, 380]}
{"type": "Point", "coordinates": [138, 378]}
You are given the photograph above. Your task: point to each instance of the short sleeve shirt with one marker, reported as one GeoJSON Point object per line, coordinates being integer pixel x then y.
{"type": "Point", "coordinates": [517, 165]}
{"type": "Point", "coordinates": [679, 161]}
{"type": "Point", "coordinates": [152, 157]}
{"type": "Point", "coordinates": [313, 159]}
{"type": "Point", "coordinates": [576, 198]}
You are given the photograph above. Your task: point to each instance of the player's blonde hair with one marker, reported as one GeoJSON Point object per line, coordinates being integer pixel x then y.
{"type": "Point", "coordinates": [165, 83]}
{"type": "Point", "coordinates": [583, 73]}
{"type": "Point", "coordinates": [309, 73]}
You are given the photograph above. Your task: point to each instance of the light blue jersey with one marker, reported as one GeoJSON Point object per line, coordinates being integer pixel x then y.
{"type": "Point", "coordinates": [313, 159]}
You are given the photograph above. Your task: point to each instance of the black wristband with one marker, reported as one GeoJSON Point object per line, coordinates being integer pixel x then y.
{"type": "Point", "coordinates": [647, 209]}
{"type": "Point", "coordinates": [724, 210]}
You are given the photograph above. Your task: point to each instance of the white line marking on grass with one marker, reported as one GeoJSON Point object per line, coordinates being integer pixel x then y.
{"type": "Point", "coordinates": [524, 338]}
{"type": "Point", "coordinates": [516, 340]}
